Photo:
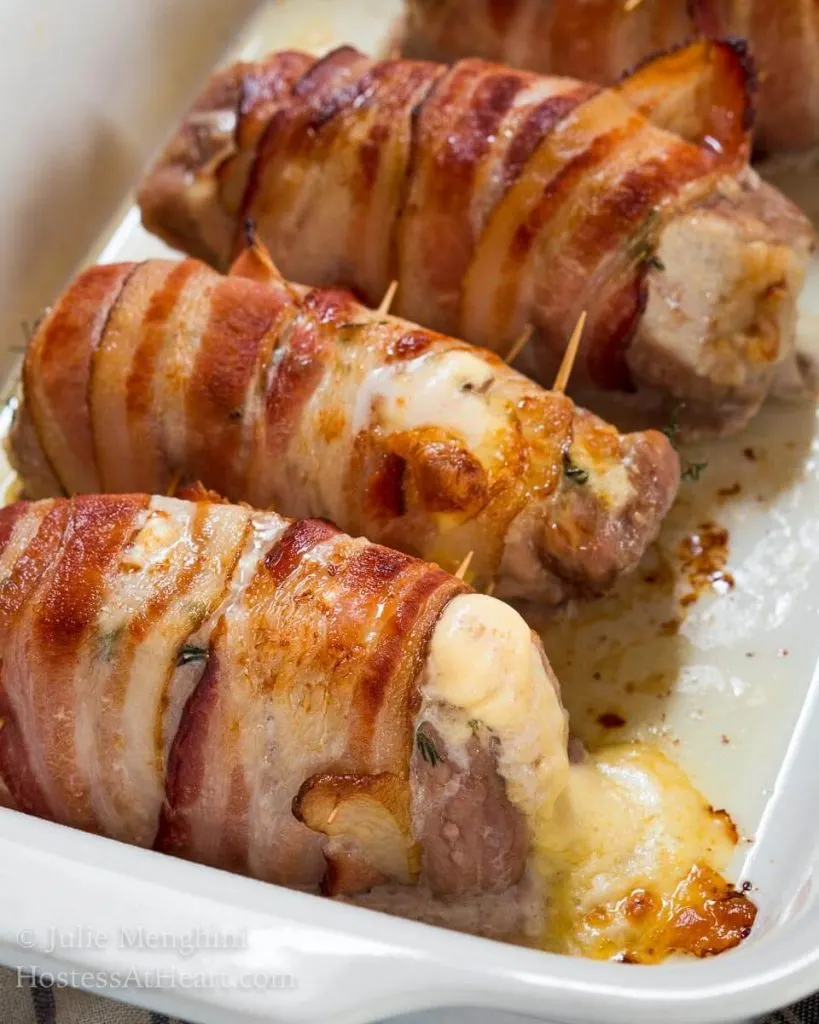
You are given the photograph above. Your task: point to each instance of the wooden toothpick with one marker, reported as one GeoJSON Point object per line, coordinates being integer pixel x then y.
{"type": "Point", "coordinates": [173, 486]}
{"type": "Point", "coordinates": [517, 346]}
{"type": "Point", "coordinates": [631, 5]}
{"type": "Point", "coordinates": [389, 295]}
{"type": "Point", "coordinates": [490, 590]}
{"type": "Point", "coordinates": [570, 355]}
{"type": "Point", "coordinates": [461, 571]}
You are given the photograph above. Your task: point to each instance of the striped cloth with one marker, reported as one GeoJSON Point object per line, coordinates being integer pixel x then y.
{"type": "Point", "coordinates": [27, 1003]}
{"type": "Point", "coordinates": [39, 1004]}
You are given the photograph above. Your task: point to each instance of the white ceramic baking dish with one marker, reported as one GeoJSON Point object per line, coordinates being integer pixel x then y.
{"type": "Point", "coordinates": [90, 89]}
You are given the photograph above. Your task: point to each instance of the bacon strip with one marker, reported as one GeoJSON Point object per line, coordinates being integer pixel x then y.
{"type": "Point", "coordinates": [95, 594]}
{"type": "Point", "coordinates": [600, 39]}
{"type": "Point", "coordinates": [274, 647]}
{"type": "Point", "coordinates": [499, 199]}
{"type": "Point", "coordinates": [307, 401]}
{"type": "Point", "coordinates": [243, 691]}
{"type": "Point", "coordinates": [701, 92]}
{"type": "Point", "coordinates": [67, 366]}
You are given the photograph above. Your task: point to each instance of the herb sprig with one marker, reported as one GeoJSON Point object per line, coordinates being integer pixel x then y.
{"type": "Point", "coordinates": [107, 643]}
{"type": "Point", "coordinates": [690, 470]}
{"type": "Point", "coordinates": [575, 473]}
{"type": "Point", "coordinates": [694, 470]}
{"type": "Point", "coordinates": [642, 249]}
{"type": "Point", "coordinates": [189, 654]}
{"type": "Point", "coordinates": [426, 748]}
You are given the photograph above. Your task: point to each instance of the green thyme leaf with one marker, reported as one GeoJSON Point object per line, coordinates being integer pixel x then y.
{"type": "Point", "coordinates": [672, 428]}
{"type": "Point", "coordinates": [107, 643]}
{"type": "Point", "coordinates": [574, 472]}
{"type": "Point", "coordinates": [694, 470]}
{"type": "Point", "coordinates": [189, 653]}
{"type": "Point", "coordinates": [643, 244]}
{"type": "Point", "coordinates": [426, 748]}
{"type": "Point", "coordinates": [691, 470]}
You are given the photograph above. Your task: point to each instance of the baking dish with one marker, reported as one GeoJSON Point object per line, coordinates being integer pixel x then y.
{"type": "Point", "coordinates": [730, 695]}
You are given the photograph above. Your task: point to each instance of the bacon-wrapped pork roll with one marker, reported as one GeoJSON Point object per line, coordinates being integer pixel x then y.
{"type": "Point", "coordinates": [145, 374]}
{"type": "Point", "coordinates": [598, 40]}
{"type": "Point", "coordinates": [274, 698]}
{"type": "Point", "coordinates": [498, 198]}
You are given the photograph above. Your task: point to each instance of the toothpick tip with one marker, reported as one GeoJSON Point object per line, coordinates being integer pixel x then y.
{"type": "Point", "coordinates": [173, 485]}
{"type": "Point", "coordinates": [518, 345]}
{"type": "Point", "coordinates": [460, 572]}
{"type": "Point", "coordinates": [389, 295]}
{"type": "Point", "coordinates": [570, 355]}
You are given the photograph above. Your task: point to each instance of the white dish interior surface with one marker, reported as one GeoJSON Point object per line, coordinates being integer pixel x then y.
{"type": "Point", "coordinates": [731, 696]}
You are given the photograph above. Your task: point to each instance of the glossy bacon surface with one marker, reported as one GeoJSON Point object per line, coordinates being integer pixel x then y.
{"type": "Point", "coordinates": [598, 40]}
{"type": "Point", "coordinates": [244, 691]}
{"type": "Point", "coordinates": [499, 199]}
{"type": "Point", "coordinates": [143, 375]}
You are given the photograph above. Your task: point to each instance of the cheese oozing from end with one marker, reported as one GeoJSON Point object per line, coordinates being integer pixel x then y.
{"type": "Point", "coordinates": [628, 853]}
{"type": "Point", "coordinates": [484, 661]}
{"type": "Point", "coordinates": [625, 857]}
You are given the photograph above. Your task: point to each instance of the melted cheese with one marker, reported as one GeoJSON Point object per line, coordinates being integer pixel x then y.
{"type": "Point", "coordinates": [630, 859]}
{"type": "Point", "coordinates": [483, 660]}
{"type": "Point", "coordinates": [450, 390]}
{"type": "Point", "coordinates": [608, 478]}
{"type": "Point", "coordinates": [149, 548]}
{"type": "Point", "coordinates": [627, 851]}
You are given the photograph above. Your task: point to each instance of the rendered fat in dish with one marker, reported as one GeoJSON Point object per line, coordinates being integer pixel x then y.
{"type": "Point", "coordinates": [304, 400]}
{"type": "Point", "coordinates": [598, 40]}
{"type": "Point", "coordinates": [278, 699]}
{"type": "Point", "coordinates": [498, 199]}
